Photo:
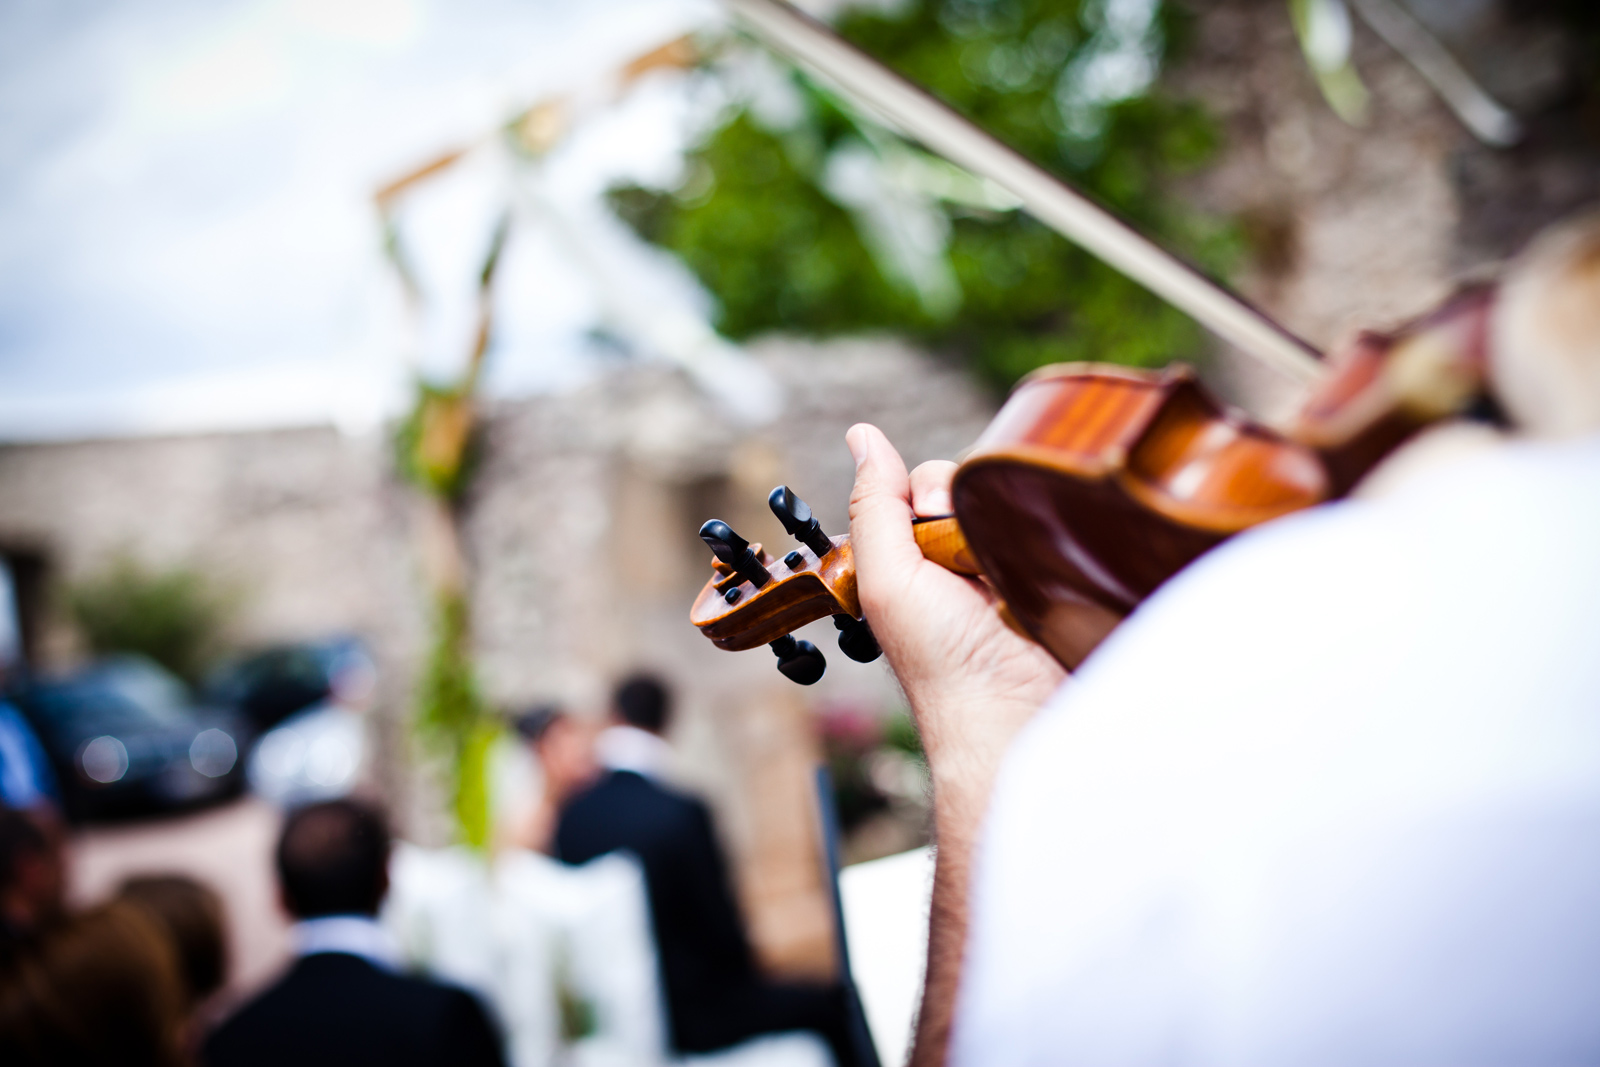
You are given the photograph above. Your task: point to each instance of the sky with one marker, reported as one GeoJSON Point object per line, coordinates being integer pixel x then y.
{"type": "Point", "coordinates": [188, 237]}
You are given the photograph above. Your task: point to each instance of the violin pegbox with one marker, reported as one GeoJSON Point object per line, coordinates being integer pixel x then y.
{"type": "Point", "coordinates": [753, 599]}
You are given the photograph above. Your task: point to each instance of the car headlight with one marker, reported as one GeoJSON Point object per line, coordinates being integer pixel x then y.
{"type": "Point", "coordinates": [104, 760]}
{"type": "Point", "coordinates": [213, 753]}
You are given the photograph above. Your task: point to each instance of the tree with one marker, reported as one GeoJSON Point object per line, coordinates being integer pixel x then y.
{"type": "Point", "coordinates": [176, 617]}
{"type": "Point", "coordinates": [805, 217]}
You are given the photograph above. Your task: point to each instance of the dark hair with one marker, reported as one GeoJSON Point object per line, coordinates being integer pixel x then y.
{"type": "Point", "coordinates": [100, 987]}
{"type": "Point", "coordinates": [20, 835]}
{"type": "Point", "coordinates": [532, 724]}
{"type": "Point", "coordinates": [333, 859]}
{"type": "Point", "coordinates": [192, 916]}
{"type": "Point", "coordinates": [642, 701]}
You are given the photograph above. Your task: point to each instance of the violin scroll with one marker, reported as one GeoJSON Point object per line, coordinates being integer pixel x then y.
{"type": "Point", "coordinates": [753, 599]}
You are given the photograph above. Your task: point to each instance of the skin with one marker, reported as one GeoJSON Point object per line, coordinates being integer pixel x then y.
{"type": "Point", "coordinates": [566, 752]}
{"type": "Point", "coordinates": [971, 681]}
{"type": "Point", "coordinates": [566, 757]}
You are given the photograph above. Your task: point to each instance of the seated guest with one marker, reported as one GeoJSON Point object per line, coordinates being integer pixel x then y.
{"type": "Point", "coordinates": [191, 915]}
{"type": "Point", "coordinates": [715, 995]}
{"type": "Point", "coordinates": [32, 874]}
{"type": "Point", "coordinates": [98, 988]}
{"type": "Point", "coordinates": [563, 747]}
{"type": "Point", "coordinates": [343, 1002]}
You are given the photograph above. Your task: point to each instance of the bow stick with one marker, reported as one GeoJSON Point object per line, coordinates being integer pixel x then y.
{"type": "Point", "coordinates": [916, 112]}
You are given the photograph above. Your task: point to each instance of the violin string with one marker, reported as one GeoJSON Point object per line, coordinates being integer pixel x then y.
{"type": "Point", "coordinates": [917, 113]}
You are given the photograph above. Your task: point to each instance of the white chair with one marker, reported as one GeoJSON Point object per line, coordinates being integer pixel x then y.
{"type": "Point", "coordinates": [439, 910]}
{"type": "Point", "coordinates": [885, 905]}
{"type": "Point", "coordinates": [517, 934]}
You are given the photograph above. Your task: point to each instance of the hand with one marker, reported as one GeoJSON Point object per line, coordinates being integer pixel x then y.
{"type": "Point", "coordinates": [971, 680]}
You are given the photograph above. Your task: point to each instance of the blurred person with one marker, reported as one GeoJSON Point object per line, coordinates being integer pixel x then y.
{"type": "Point", "coordinates": [715, 995]}
{"type": "Point", "coordinates": [321, 751]}
{"type": "Point", "coordinates": [99, 989]}
{"type": "Point", "coordinates": [564, 749]}
{"type": "Point", "coordinates": [1329, 796]}
{"type": "Point", "coordinates": [26, 780]}
{"type": "Point", "coordinates": [192, 916]}
{"type": "Point", "coordinates": [342, 1002]}
{"type": "Point", "coordinates": [32, 874]}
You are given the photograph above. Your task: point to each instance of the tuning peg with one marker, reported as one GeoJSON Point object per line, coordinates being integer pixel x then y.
{"type": "Point", "coordinates": [799, 661]}
{"type": "Point", "coordinates": [735, 551]}
{"type": "Point", "coordinates": [856, 639]}
{"type": "Point", "coordinates": [795, 514]}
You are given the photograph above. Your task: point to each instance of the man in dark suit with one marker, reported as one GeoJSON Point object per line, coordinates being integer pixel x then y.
{"type": "Point", "coordinates": [715, 995]}
{"type": "Point", "coordinates": [343, 1002]}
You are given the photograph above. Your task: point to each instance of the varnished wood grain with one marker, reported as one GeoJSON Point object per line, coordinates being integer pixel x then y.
{"type": "Point", "coordinates": [1094, 485]}
{"type": "Point", "coordinates": [941, 540]}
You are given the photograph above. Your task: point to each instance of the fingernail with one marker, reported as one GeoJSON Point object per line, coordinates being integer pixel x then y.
{"type": "Point", "coordinates": [856, 440]}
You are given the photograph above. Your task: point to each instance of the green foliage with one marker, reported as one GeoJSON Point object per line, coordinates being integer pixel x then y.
{"type": "Point", "coordinates": [900, 733]}
{"type": "Point", "coordinates": [176, 617]}
{"type": "Point", "coordinates": [452, 720]}
{"type": "Point", "coordinates": [434, 443]}
{"type": "Point", "coordinates": [765, 228]}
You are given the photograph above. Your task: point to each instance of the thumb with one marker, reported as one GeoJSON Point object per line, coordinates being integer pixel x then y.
{"type": "Point", "coordinates": [880, 511]}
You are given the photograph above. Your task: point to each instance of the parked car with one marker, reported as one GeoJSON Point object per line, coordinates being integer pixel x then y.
{"type": "Point", "coordinates": [126, 738]}
{"type": "Point", "coordinates": [270, 685]}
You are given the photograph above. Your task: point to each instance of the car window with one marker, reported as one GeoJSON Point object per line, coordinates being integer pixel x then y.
{"type": "Point", "coordinates": [126, 696]}
{"type": "Point", "coordinates": [154, 691]}
{"type": "Point", "coordinates": [93, 709]}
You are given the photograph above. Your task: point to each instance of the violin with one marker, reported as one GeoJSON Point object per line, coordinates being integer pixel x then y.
{"type": "Point", "coordinates": [1094, 484]}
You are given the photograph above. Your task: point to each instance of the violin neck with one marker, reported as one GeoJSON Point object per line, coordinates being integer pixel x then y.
{"type": "Point", "coordinates": [942, 541]}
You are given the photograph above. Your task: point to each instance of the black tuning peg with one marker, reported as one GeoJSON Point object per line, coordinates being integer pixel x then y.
{"type": "Point", "coordinates": [795, 514]}
{"type": "Point", "coordinates": [856, 639]}
{"type": "Point", "coordinates": [735, 551]}
{"type": "Point", "coordinates": [799, 661]}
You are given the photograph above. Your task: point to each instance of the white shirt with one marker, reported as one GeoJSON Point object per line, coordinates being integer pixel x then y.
{"type": "Point", "coordinates": [1332, 796]}
{"type": "Point", "coordinates": [628, 748]}
{"type": "Point", "coordinates": [353, 935]}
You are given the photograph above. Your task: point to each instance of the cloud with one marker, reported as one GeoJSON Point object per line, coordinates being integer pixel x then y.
{"type": "Point", "coordinates": [190, 237]}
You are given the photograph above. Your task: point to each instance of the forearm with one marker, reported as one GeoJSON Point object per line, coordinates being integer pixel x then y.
{"type": "Point", "coordinates": [963, 770]}
{"type": "Point", "coordinates": [956, 825]}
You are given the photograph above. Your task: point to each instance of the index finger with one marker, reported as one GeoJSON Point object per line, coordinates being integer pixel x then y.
{"type": "Point", "coordinates": [930, 488]}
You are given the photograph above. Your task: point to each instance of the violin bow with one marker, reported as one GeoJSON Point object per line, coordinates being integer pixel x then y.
{"type": "Point", "coordinates": [918, 113]}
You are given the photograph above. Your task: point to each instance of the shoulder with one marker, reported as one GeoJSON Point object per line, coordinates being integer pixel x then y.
{"type": "Point", "coordinates": [332, 996]}
{"type": "Point", "coordinates": [338, 982]}
{"type": "Point", "coordinates": [626, 810]}
{"type": "Point", "coordinates": [634, 790]}
{"type": "Point", "coordinates": [1347, 683]}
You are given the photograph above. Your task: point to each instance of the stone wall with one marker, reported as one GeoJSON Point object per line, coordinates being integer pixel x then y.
{"type": "Point", "coordinates": [1351, 227]}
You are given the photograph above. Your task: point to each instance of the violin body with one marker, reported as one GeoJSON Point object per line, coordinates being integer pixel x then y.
{"type": "Point", "coordinates": [1095, 484]}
